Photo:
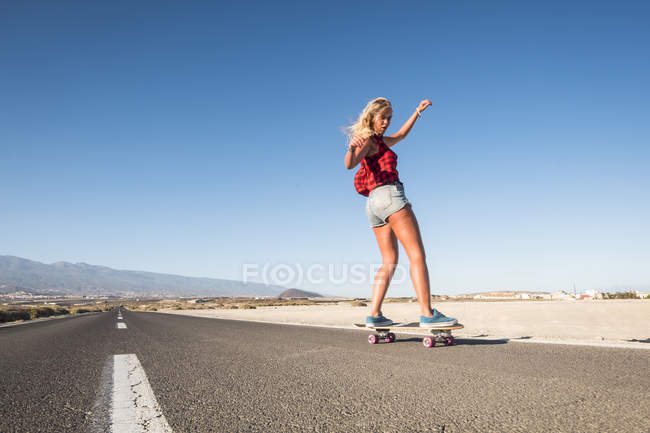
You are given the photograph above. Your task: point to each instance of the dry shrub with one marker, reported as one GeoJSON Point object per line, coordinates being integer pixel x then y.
{"type": "Point", "coordinates": [41, 312]}
{"type": "Point", "coordinates": [82, 310]}
{"type": "Point", "coordinates": [281, 303]}
{"type": "Point", "coordinates": [396, 300]}
{"type": "Point", "coordinates": [60, 311]}
{"type": "Point", "coordinates": [13, 314]}
{"type": "Point", "coordinates": [358, 304]}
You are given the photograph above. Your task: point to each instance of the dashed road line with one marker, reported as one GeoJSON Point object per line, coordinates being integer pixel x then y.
{"type": "Point", "coordinates": [121, 325]}
{"type": "Point", "coordinates": [134, 407]}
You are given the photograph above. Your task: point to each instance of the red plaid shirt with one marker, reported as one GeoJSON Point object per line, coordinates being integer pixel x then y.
{"type": "Point", "coordinates": [377, 169]}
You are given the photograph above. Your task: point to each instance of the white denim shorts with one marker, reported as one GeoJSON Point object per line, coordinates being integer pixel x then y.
{"type": "Point", "coordinates": [384, 201]}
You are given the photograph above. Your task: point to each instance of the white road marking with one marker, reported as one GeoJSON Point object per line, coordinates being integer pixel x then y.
{"type": "Point", "coordinates": [121, 325]}
{"type": "Point", "coordinates": [586, 343]}
{"type": "Point", "coordinates": [134, 407]}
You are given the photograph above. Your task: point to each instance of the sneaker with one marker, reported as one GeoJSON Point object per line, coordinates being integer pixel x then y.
{"type": "Point", "coordinates": [374, 322]}
{"type": "Point", "coordinates": [438, 320]}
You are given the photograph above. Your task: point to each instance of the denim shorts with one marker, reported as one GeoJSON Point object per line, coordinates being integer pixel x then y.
{"type": "Point", "coordinates": [384, 201]}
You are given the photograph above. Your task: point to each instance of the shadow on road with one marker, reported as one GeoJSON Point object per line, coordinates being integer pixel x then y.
{"type": "Point", "coordinates": [480, 342]}
{"type": "Point", "coordinates": [459, 341]}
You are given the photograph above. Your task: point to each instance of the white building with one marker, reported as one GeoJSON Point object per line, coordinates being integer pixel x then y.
{"type": "Point", "coordinates": [562, 295]}
{"type": "Point", "coordinates": [594, 294]}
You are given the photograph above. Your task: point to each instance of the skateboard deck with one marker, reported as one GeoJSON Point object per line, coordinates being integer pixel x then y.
{"type": "Point", "coordinates": [438, 335]}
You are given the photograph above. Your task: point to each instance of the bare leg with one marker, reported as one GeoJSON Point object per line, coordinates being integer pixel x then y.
{"type": "Point", "coordinates": [389, 254]}
{"type": "Point", "coordinates": [405, 226]}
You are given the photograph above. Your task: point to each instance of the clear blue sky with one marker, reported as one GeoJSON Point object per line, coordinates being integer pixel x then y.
{"type": "Point", "coordinates": [194, 137]}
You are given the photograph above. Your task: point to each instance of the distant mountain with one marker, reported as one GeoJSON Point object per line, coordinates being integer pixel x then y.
{"type": "Point", "coordinates": [296, 293]}
{"type": "Point", "coordinates": [83, 279]}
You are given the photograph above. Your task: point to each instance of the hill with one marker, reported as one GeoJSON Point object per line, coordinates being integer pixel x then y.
{"type": "Point", "coordinates": [296, 293]}
{"type": "Point", "coordinates": [84, 279]}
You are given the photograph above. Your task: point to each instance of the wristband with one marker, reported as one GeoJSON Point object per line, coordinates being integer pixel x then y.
{"type": "Point", "coordinates": [418, 111]}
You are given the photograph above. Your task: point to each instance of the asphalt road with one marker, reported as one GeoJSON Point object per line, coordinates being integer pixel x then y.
{"type": "Point", "coordinates": [213, 375]}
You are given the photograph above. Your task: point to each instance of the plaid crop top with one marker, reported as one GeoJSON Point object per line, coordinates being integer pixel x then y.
{"type": "Point", "coordinates": [377, 169]}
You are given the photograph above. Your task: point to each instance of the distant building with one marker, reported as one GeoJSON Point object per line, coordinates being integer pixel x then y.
{"type": "Point", "coordinates": [595, 294]}
{"type": "Point", "coordinates": [561, 295]}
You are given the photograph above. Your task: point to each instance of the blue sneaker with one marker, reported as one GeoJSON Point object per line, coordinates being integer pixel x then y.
{"type": "Point", "coordinates": [438, 320]}
{"type": "Point", "coordinates": [374, 322]}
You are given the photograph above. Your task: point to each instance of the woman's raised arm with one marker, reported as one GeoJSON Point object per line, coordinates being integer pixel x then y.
{"type": "Point", "coordinates": [400, 135]}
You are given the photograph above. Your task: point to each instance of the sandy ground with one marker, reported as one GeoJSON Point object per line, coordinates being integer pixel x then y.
{"type": "Point", "coordinates": [611, 321]}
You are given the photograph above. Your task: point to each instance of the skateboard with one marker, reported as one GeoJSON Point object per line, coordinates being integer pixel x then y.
{"type": "Point", "coordinates": [438, 335]}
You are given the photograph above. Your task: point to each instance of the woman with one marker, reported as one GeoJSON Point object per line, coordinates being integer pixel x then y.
{"type": "Point", "coordinates": [388, 210]}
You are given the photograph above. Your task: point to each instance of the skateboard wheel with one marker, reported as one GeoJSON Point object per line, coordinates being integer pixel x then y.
{"type": "Point", "coordinates": [372, 339]}
{"type": "Point", "coordinates": [428, 342]}
{"type": "Point", "coordinates": [390, 337]}
{"type": "Point", "coordinates": [449, 341]}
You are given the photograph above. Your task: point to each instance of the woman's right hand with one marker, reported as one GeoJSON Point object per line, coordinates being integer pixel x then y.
{"type": "Point", "coordinates": [357, 150]}
{"type": "Point", "coordinates": [424, 105]}
{"type": "Point", "coordinates": [357, 143]}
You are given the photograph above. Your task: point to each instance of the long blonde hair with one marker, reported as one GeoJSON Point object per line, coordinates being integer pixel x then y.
{"type": "Point", "coordinates": [362, 127]}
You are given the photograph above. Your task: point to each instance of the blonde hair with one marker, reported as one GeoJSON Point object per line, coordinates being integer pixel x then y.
{"type": "Point", "coordinates": [362, 127]}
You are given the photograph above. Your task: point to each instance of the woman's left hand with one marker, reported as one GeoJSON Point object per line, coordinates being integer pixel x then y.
{"type": "Point", "coordinates": [423, 105]}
